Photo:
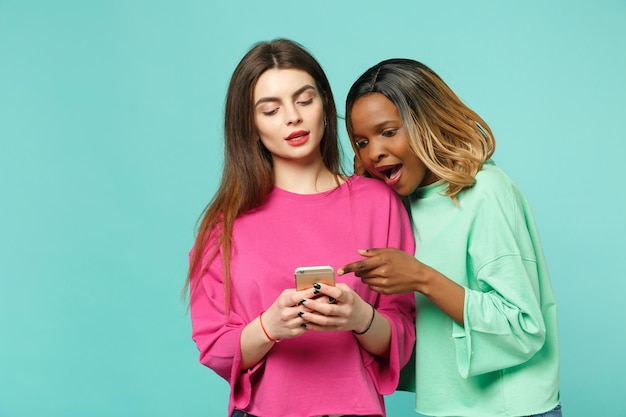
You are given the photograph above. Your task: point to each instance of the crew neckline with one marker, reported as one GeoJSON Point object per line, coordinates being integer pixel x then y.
{"type": "Point", "coordinates": [434, 189]}
{"type": "Point", "coordinates": [280, 192]}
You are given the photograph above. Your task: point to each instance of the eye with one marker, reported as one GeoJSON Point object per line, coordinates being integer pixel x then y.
{"type": "Point", "coordinates": [389, 133]}
{"type": "Point", "coordinates": [270, 112]}
{"type": "Point", "coordinates": [305, 102]}
{"type": "Point", "coordinates": [361, 143]}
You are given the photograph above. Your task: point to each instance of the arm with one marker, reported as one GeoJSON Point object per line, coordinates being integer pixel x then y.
{"type": "Point", "coordinates": [376, 334]}
{"type": "Point", "coordinates": [216, 336]}
{"type": "Point", "coordinates": [254, 344]}
{"type": "Point", "coordinates": [498, 328]}
{"type": "Point", "coordinates": [280, 321]}
{"type": "Point", "coordinates": [504, 322]}
{"type": "Point", "coordinates": [494, 298]}
{"type": "Point", "coordinates": [228, 345]}
{"type": "Point", "coordinates": [392, 271]}
{"type": "Point", "coordinates": [504, 319]}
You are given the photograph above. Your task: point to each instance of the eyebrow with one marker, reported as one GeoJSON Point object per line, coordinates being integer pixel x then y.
{"type": "Point", "coordinates": [295, 94]}
{"type": "Point", "coordinates": [384, 123]}
{"type": "Point", "coordinates": [378, 126]}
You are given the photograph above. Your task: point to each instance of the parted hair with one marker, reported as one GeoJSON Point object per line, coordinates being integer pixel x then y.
{"type": "Point", "coordinates": [247, 175]}
{"type": "Point", "coordinates": [450, 139]}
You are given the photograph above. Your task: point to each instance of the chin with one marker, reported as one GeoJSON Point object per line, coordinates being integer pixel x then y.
{"type": "Point", "coordinates": [403, 190]}
{"type": "Point", "coordinates": [403, 193]}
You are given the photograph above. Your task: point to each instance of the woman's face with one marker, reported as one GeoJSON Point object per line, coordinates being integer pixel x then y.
{"type": "Point", "coordinates": [383, 145]}
{"type": "Point", "coordinates": [289, 114]}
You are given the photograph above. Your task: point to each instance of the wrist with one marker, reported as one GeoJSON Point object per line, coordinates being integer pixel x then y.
{"type": "Point", "coordinates": [428, 280]}
{"type": "Point", "coordinates": [265, 332]}
{"type": "Point", "coordinates": [369, 323]}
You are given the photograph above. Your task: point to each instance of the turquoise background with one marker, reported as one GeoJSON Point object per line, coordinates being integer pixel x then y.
{"type": "Point", "coordinates": [110, 147]}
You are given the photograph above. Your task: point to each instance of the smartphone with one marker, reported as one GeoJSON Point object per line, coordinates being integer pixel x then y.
{"type": "Point", "coordinates": [306, 276]}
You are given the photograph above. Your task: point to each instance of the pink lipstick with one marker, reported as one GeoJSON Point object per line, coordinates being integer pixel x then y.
{"type": "Point", "coordinates": [297, 138]}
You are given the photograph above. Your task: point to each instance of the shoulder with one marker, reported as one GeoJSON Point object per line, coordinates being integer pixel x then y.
{"type": "Point", "coordinates": [370, 186]}
{"type": "Point", "coordinates": [374, 198]}
{"type": "Point", "coordinates": [495, 196]}
{"type": "Point", "coordinates": [492, 176]}
{"type": "Point", "coordinates": [492, 183]}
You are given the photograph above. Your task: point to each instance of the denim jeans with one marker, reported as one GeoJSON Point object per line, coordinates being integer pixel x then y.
{"type": "Point", "coordinates": [555, 412]}
{"type": "Point", "coordinates": [239, 413]}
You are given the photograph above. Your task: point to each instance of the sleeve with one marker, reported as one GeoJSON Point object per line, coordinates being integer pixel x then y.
{"type": "Point", "coordinates": [504, 324]}
{"type": "Point", "coordinates": [217, 336]}
{"type": "Point", "coordinates": [398, 309]}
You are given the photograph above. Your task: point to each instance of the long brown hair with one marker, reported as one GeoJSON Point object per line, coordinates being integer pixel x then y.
{"type": "Point", "coordinates": [451, 139]}
{"type": "Point", "coordinates": [247, 176]}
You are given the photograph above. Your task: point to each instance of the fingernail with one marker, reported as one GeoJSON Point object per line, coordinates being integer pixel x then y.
{"type": "Point", "coordinates": [317, 286]}
{"type": "Point", "coordinates": [340, 272]}
{"type": "Point", "coordinates": [315, 291]}
{"type": "Point", "coordinates": [331, 300]}
{"type": "Point", "coordinates": [302, 301]}
{"type": "Point", "coordinates": [303, 325]}
{"type": "Point", "coordinates": [300, 313]}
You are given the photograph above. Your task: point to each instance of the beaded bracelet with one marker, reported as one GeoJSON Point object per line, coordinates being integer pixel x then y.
{"type": "Point", "coordinates": [368, 325]}
{"type": "Point", "coordinates": [265, 331]}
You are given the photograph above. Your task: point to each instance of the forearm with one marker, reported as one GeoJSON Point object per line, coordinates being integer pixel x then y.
{"type": "Point", "coordinates": [377, 338]}
{"type": "Point", "coordinates": [254, 344]}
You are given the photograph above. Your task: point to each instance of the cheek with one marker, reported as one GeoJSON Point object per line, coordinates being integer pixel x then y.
{"type": "Point", "coordinates": [417, 170]}
{"type": "Point", "coordinates": [264, 127]}
{"type": "Point", "coordinates": [361, 157]}
{"type": "Point", "coordinates": [317, 115]}
{"type": "Point", "coordinates": [365, 164]}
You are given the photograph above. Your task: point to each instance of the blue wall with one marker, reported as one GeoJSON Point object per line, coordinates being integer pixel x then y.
{"type": "Point", "coordinates": [110, 130]}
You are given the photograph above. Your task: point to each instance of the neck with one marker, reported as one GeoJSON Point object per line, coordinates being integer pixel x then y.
{"type": "Point", "coordinates": [297, 178]}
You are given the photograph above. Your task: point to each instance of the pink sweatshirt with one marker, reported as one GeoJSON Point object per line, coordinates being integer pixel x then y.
{"type": "Point", "coordinates": [319, 372]}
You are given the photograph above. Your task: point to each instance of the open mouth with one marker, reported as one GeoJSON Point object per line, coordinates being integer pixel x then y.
{"type": "Point", "coordinates": [390, 171]}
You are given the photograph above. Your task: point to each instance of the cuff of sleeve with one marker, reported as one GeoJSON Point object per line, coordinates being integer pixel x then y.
{"type": "Point", "coordinates": [385, 372]}
{"type": "Point", "coordinates": [463, 339]}
{"type": "Point", "coordinates": [240, 385]}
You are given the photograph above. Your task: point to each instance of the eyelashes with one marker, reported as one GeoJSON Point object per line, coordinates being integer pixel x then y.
{"type": "Point", "coordinates": [275, 110]}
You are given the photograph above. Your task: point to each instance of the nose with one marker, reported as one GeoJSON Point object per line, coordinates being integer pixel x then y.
{"type": "Point", "coordinates": [293, 116]}
{"type": "Point", "coordinates": [376, 151]}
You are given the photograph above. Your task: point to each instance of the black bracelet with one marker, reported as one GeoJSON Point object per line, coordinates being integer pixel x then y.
{"type": "Point", "coordinates": [369, 324]}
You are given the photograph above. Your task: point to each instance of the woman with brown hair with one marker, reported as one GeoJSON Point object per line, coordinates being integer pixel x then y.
{"type": "Point", "coordinates": [284, 203]}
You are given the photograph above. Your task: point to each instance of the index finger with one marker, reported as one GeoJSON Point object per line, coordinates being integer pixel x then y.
{"type": "Point", "coordinates": [358, 267]}
{"type": "Point", "coordinates": [353, 267]}
{"type": "Point", "coordinates": [368, 264]}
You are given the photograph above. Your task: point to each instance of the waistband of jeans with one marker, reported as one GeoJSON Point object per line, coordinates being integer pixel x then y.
{"type": "Point", "coordinates": [241, 413]}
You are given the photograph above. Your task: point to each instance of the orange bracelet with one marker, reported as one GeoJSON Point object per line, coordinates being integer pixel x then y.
{"type": "Point", "coordinates": [265, 331]}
